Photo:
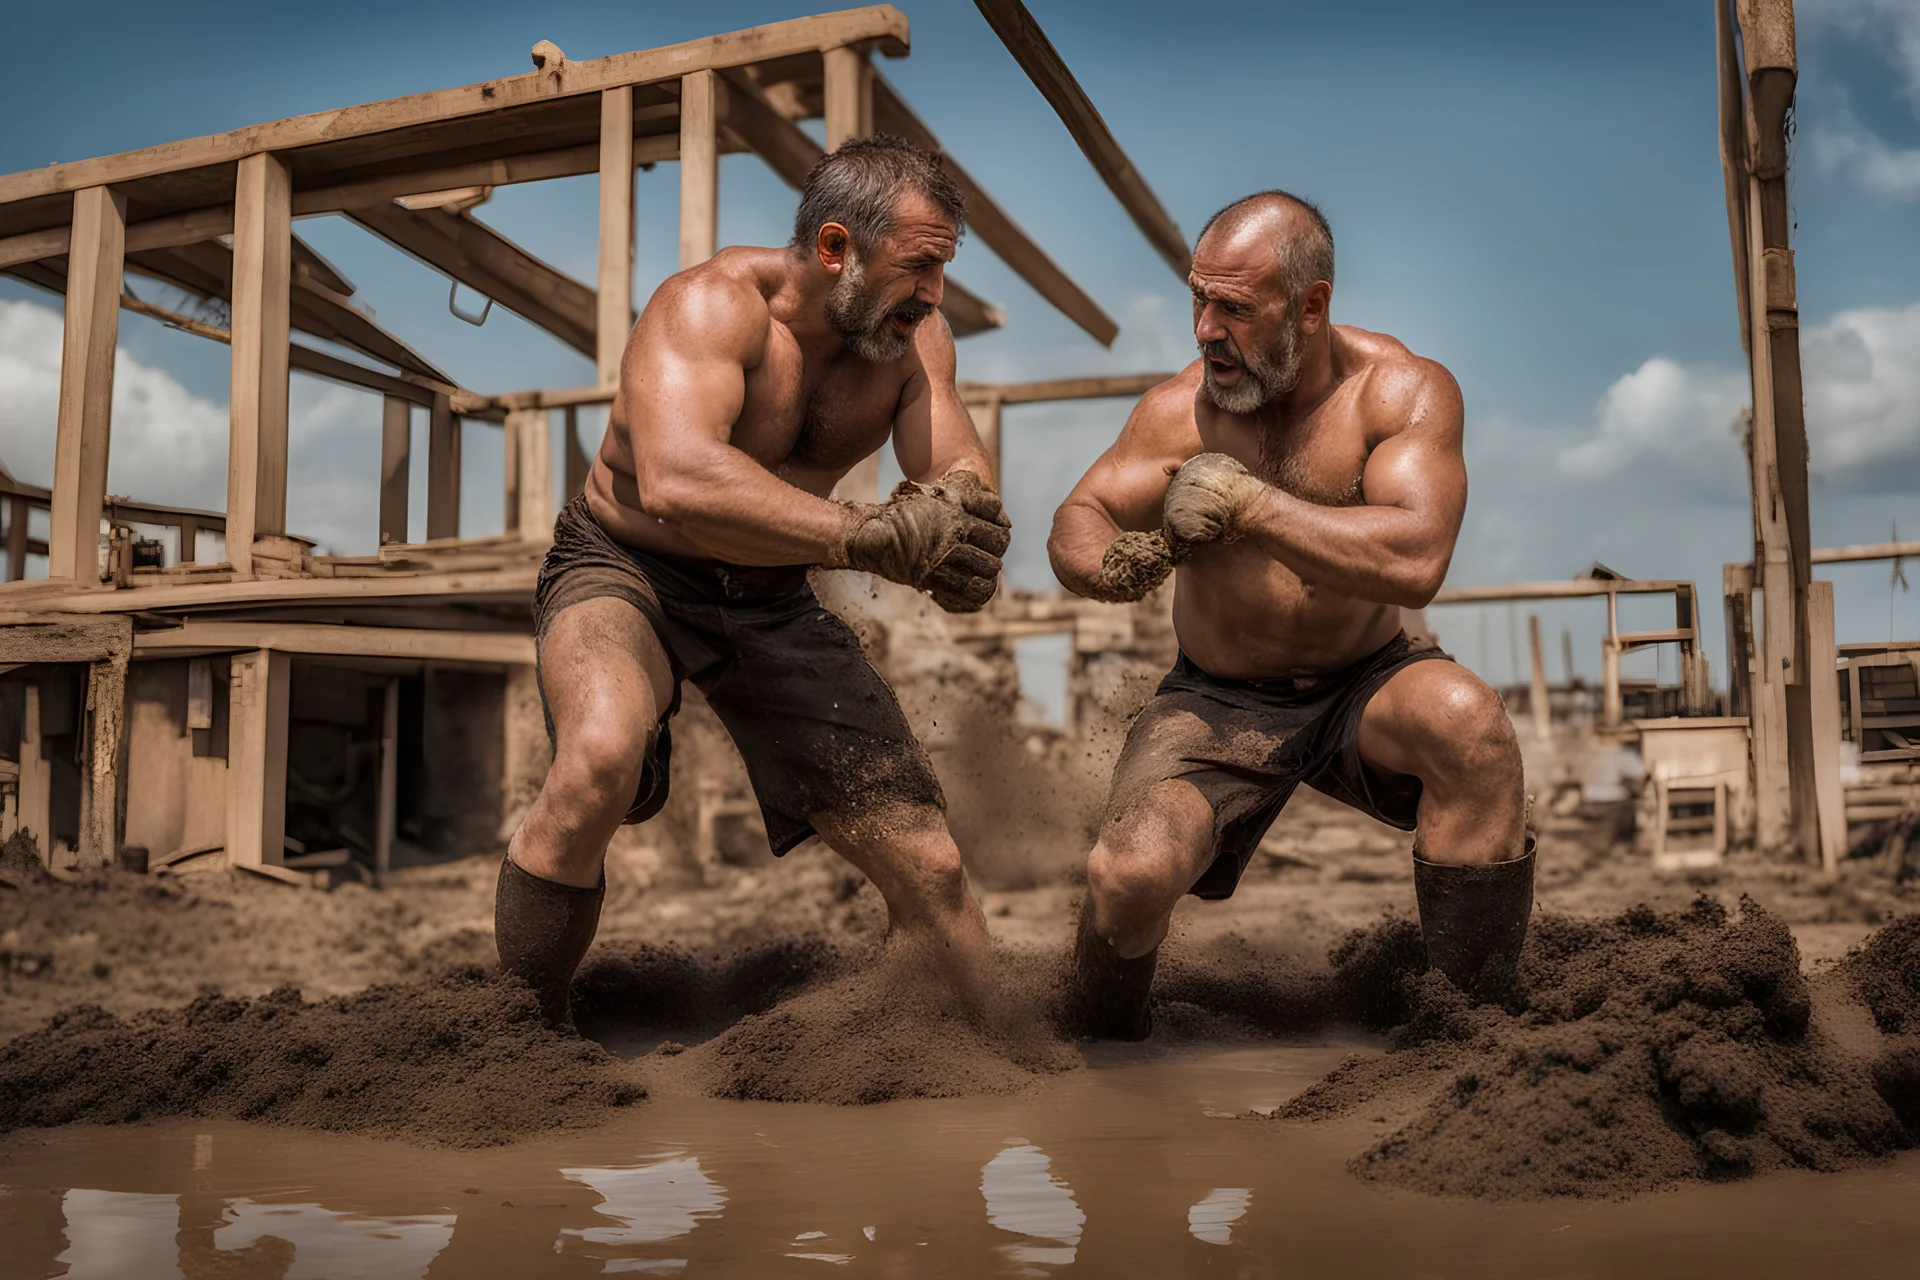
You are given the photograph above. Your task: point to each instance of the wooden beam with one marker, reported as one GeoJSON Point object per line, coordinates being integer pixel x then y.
{"type": "Point", "coordinates": [538, 166]}
{"type": "Point", "coordinates": [530, 495]}
{"type": "Point", "coordinates": [329, 640]}
{"type": "Point", "coordinates": [257, 757]}
{"type": "Point", "coordinates": [1733, 159]}
{"type": "Point", "coordinates": [985, 412]}
{"type": "Point", "coordinates": [849, 94]}
{"type": "Point", "coordinates": [967, 312]}
{"type": "Point", "coordinates": [396, 449]}
{"type": "Point", "coordinates": [882, 25]}
{"type": "Point", "coordinates": [991, 223]}
{"type": "Point", "coordinates": [443, 470]}
{"type": "Point", "coordinates": [702, 107]}
{"type": "Point", "coordinates": [17, 519]}
{"type": "Point", "coordinates": [1044, 66]}
{"type": "Point", "coordinates": [1571, 589]}
{"type": "Point", "coordinates": [614, 305]}
{"type": "Point", "coordinates": [1537, 693]}
{"type": "Point", "coordinates": [1093, 388]}
{"type": "Point", "coordinates": [100, 772]}
{"type": "Point", "coordinates": [469, 251]}
{"type": "Point", "coordinates": [1823, 691]}
{"type": "Point", "coordinates": [387, 802]}
{"type": "Point", "coordinates": [90, 335]}
{"type": "Point", "coordinates": [34, 805]}
{"type": "Point", "coordinates": [1865, 551]}
{"type": "Point", "coordinates": [262, 276]}
{"type": "Point", "coordinates": [508, 584]}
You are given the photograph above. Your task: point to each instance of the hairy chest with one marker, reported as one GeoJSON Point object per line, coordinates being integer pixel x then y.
{"type": "Point", "coordinates": [1320, 459]}
{"type": "Point", "coordinates": [812, 417]}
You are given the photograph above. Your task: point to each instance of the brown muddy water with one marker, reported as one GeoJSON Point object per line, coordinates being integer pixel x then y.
{"type": "Point", "coordinates": [1146, 1164]}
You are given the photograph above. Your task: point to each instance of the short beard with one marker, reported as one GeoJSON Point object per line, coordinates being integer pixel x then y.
{"type": "Point", "coordinates": [864, 322]}
{"type": "Point", "coordinates": [1268, 375]}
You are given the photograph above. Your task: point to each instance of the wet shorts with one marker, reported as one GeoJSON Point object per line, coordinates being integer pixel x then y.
{"type": "Point", "coordinates": [819, 730]}
{"type": "Point", "coordinates": [1246, 744]}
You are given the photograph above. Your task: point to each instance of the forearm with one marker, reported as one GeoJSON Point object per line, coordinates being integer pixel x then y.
{"type": "Point", "coordinates": [1385, 554]}
{"type": "Point", "coordinates": [1079, 541]}
{"type": "Point", "coordinates": [742, 513]}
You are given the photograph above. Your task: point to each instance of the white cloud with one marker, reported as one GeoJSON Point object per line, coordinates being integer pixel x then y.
{"type": "Point", "coordinates": [1668, 424]}
{"type": "Point", "coordinates": [1893, 26]}
{"type": "Point", "coordinates": [170, 446]}
{"type": "Point", "coordinates": [1841, 144]}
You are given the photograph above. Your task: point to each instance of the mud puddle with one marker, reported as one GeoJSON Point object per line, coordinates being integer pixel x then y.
{"type": "Point", "coordinates": [1137, 1166]}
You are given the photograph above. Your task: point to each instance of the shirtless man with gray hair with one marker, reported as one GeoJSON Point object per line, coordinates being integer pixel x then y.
{"type": "Point", "coordinates": [751, 384]}
{"type": "Point", "coordinates": [1306, 479]}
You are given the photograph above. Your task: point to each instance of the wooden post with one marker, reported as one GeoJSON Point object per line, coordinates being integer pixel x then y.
{"type": "Point", "coordinates": [615, 314]}
{"type": "Point", "coordinates": [92, 329]}
{"type": "Point", "coordinates": [510, 469]}
{"type": "Point", "coordinates": [1693, 694]}
{"type": "Point", "coordinates": [578, 463]}
{"type": "Point", "coordinates": [257, 758]}
{"type": "Point", "coordinates": [17, 517]}
{"type": "Point", "coordinates": [1542, 703]}
{"type": "Point", "coordinates": [189, 540]}
{"type": "Point", "coordinates": [443, 470]}
{"type": "Point", "coordinates": [701, 103]}
{"type": "Point", "coordinates": [106, 725]}
{"type": "Point", "coordinates": [1610, 665]}
{"type": "Point", "coordinates": [1823, 688]}
{"type": "Point", "coordinates": [1566, 653]}
{"type": "Point", "coordinates": [533, 514]}
{"type": "Point", "coordinates": [389, 796]}
{"type": "Point", "coordinates": [1737, 585]}
{"type": "Point", "coordinates": [396, 455]}
{"type": "Point", "coordinates": [986, 424]}
{"type": "Point", "coordinates": [262, 278]}
{"type": "Point", "coordinates": [35, 805]}
{"type": "Point", "coordinates": [849, 110]}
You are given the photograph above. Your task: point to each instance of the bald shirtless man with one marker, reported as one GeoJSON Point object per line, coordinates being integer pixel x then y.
{"type": "Point", "coordinates": [1307, 480]}
{"type": "Point", "coordinates": [750, 386]}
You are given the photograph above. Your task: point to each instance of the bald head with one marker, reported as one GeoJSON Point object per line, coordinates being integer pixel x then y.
{"type": "Point", "coordinates": [1295, 228]}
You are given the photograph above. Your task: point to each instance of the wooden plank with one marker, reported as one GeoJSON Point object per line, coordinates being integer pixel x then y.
{"type": "Point", "coordinates": [532, 512]}
{"type": "Point", "coordinates": [396, 450]}
{"type": "Point", "coordinates": [61, 638]}
{"type": "Point", "coordinates": [1824, 691]}
{"type": "Point", "coordinates": [1572, 589]}
{"type": "Point", "coordinates": [1092, 388]}
{"type": "Point", "coordinates": [331, 640]}
{"type": "Point", "coordinates": [90, 334]}
{"type": "Point", "coordinates": [614, 278]}
{"type": "Point", "coordinates": [262, 276]}
{"type": "Point", "coordinates": [509, 583]}
{"type": "Point", "coordinates": [469, 251]}
{"type": "Point", "coordinates": [1866, 551]}
{"type": "Point", "coordinates": [17, 521]}
{"type": "Point", "coordinates": [257, 757]}
{"type": "Point", "coordinates": [702, 106]}
{"type": "Point", "coordinates": [34, 804]}
{"type": "Point", "coordinates": [443, 470]}
{"type": "Point", "coordinates": [1044, 66]}
{"type": "Point", "coordinates": [967, 312]}
{"type": "Point", "coordinates": [992, 224]}
{"type": "Point", "coordinates": [882, 24]}
{"type": "Point", "coordinates": [1733, 160]}
{"type": "Point", "coordinates": [1537, 694]}
{"type": "Point", "coordinates": [848, 87]}
{"type": "Point", "coordinates": [102, 761]}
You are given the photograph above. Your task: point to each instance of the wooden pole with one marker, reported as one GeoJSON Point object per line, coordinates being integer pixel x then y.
{"type": "Point", "coordinates": [35, 804]}
{"type": "Point", "coordinates": [510, 469]}
{"type": "Point", "coordinates": [1610, 666]}
{"type": "Point", "coordinates": [1542, 703]}
{"type": "Point", "coordinates": [17, 517]}
{"type": "Point", "coordinates": [257, 758]}
{"type": "Point", "coordinates": [700, 109]}
{"type": "Point", "coordinates": [1823, 688]}
{"type": "Point", "coordinates": [614, 316]}
{"type": "Point", "coordinates": [1737, 586]}
{"type": "Point", "coordinates": [443, 470]}
{"type": "Point", "coordinates": [389, 782]}
{"type": "Point", "coordinates": [396, 455]}
{"type": "Point", "coordinates": [986, 424]}
{"type": "Point", "coordinates": [533, 518]}
{"type": "Point", "coordinates": [848, 90]}
{"type": "Point", "coordinates": [100, 765]}
{"type": "Point", "coordinates": [262, 276]}
{"type": "Point", "coordinates": [91, 332]}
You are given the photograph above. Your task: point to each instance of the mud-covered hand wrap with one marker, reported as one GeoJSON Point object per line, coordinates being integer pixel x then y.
{"type": "Point", "coordinates": [945, 539]}
{"type": "Point", "coordinates": [1134, 564]}
{"type": "Point", "coordinates": [1206, 499]}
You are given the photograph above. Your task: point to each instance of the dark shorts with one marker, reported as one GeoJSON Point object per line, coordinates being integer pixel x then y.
{"type": "Point", "coordinates": [1246, 744]}
{"type": "Point", "coordinates": [819, 730]}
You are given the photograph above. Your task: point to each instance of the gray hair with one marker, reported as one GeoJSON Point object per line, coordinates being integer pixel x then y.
{"type": "Point", "coordinates": [1306, 254]}
{"type": "Point", "coordinates": [859, 185]}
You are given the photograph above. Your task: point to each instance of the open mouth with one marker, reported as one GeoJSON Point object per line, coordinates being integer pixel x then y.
{"type": "Point", "coordinates": [1223, 370]}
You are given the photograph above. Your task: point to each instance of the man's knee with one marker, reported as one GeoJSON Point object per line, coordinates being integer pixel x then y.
{"type": "Point", "coordinates": [597, 768]}
{"type": "Point", "coordinates": [1468, 739]}
{"type": "Point", "coordinates": [1131, 895]}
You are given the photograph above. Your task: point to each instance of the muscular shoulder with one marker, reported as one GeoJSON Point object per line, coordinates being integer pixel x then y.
{"type": "Point", "coordinates": [1397, 389]}
{"type": "Point", "coordinates": [1162, 423]}
{"type": "Point", "coordinates": [722, 305]}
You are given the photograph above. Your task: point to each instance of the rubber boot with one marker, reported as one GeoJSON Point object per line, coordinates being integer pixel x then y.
{"type": "Point", "coordinates": [542, 929]}
{"type": "Point", "coordinates": [1109, 993]}
{"type": "Point", "coordinates": [1474, 918]}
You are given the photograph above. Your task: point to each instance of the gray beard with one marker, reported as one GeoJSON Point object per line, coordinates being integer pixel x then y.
{"type": "Point", "coordinates": [1266, 375]}
{"type": "Point", "coordinates": [862, 321]}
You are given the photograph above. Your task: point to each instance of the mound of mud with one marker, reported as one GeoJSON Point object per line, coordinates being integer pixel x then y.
{"type": "Point", "coordinates": [1648, 1049]}
{"type": "Point", "coordinates": [887, 1028]}
{"type": "Point", "coordinates": [641, 985]}
{"type": "Point", "coordinates": [1884, 973]}
{"type": "Point", "coordinates": [462, 1060]}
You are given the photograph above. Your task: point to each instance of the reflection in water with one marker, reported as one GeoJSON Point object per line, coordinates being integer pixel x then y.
{"type": "Point", "coordinates": [1212, 1219]}
{"type": "Point", "coordinates": [668, 1196]}
{"type": "Point", "coordinates": [1024, 1197]}
{"type": "Point", "coordinates": [119, 1233]}
{"type": "Point", "coordinates": [328, 1245]}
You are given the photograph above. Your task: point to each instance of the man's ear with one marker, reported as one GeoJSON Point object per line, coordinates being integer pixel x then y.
{"type": "Point", "coordinates": [832, 246]}
{"type": "Point", "coordinates": [1315, 303]}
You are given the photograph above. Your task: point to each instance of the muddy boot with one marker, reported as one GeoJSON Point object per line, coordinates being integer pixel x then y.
{"type": "Point", "coordinates": [1474, 919]}
{"type": "Point", "coordinates": [1109, 997]}
{"type": "Point", "coordinates": [542, 929]}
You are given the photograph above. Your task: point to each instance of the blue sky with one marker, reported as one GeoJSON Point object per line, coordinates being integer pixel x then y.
{"type": "Point", "coordinates": [1528, 193]}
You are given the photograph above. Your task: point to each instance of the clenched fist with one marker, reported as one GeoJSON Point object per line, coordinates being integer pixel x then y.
{"type": "Point", "coordinates": [1134, 564]}
{"type": "Point", "coordinates": [945, 539]}
{"type": "Point", "coordinates": [1206, 500]}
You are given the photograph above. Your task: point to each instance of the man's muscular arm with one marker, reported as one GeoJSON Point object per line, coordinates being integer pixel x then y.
{"type": "Point", "coordinates": [1396, 548]}
{"type": "Point", "coordinates": [1106, 542]}
{"type": "Point", "coordinates": [933, 434]}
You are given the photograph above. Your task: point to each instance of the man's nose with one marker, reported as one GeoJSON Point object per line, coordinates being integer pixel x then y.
{"type": "Point", "coordinates": [933, 288]}
{"type": "Point", "coordinates": [1207, 326]}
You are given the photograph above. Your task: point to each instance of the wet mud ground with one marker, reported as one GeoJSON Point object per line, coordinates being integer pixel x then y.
{"type": "Point", "coordinates": [1257, 1125]}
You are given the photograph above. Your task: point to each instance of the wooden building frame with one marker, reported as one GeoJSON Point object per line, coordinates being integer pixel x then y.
{"type": "Point", "coordinates": [213, 216]}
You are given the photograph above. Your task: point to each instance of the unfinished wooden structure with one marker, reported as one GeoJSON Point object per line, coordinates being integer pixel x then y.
{"type": "Point", "coordinates": [188, 706]}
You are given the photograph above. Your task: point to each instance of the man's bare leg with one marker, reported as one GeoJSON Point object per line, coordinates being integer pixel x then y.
{"type": "Point", "coordinates": [1151, 850]}
{"type": "Point", "coordinates": [605, 677]}
{"type": "Point", "coordinates": [1473, 862]}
